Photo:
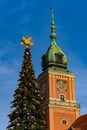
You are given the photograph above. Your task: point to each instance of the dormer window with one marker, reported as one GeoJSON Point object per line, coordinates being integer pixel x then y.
{"type": "Point", "coordinates": [59, 57]}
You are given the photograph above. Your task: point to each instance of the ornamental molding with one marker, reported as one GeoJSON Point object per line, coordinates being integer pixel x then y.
{"type": "Point", "coordinates": [68, 104]}
{"type": "Point", "coordinates": [62, 73]}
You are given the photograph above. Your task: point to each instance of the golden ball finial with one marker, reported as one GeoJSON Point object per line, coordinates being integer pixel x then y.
{"type": "Point", "coordinates": [27, 41]}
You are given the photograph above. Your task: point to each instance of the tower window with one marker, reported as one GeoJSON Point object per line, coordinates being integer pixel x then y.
{"type": "Point", "coordinates": [58, 57]}
{"type": "Point", "coordinates": [64, 121]}
{"type": "Point", "coordinates": [62, 99]}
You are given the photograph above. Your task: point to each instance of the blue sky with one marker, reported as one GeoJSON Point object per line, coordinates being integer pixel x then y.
{"type": "Point", "coordinates": [32, 18]}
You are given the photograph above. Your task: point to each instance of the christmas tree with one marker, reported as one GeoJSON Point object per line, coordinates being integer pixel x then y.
{"type": "Point", "coordinates": [27, 107]}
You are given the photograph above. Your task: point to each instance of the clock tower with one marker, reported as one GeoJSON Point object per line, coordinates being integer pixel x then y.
{"type": "Point", "coordinates": [57, 87]}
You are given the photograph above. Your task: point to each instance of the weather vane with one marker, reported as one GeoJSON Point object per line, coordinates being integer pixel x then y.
{"type": "Point", "coordinates": [27, 41]}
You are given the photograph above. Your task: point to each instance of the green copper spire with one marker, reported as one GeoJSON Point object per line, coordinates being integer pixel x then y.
{"type": "Point", "coordinates": [54, 58]}
{"type": "Point", "coordinates": [53, 34]}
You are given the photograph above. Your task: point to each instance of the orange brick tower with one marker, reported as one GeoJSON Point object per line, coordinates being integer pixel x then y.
{"type": "Point", "coordinates": [57, 86]}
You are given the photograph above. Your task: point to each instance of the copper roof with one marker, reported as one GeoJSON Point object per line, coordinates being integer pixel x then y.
{"type": "Point", "coordinates": [81, 122]}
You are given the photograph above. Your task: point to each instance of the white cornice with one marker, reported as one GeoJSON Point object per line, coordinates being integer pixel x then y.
{"type": "Point", "coordinates": [61, 73]}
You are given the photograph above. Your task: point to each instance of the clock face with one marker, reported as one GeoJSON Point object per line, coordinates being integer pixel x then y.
{"type": "Point", "coordinates": [61, 85]}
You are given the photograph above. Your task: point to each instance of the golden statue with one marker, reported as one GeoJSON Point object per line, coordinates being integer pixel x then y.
{"type": "Point", "coordinates": [27, 41]}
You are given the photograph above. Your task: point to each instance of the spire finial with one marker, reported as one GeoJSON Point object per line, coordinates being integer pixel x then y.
{"type": "Point", "coordinates": [52, 11]}
{"type": "Point", "coordinates": [53, 34]}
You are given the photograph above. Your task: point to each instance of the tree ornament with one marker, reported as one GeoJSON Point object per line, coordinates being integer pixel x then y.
{"type": "Point", "coordinates": [30, 88]}
{"type": "Point", "coordinates": [26, 70]}
{"type": "Point", "coordinates": [23, 75]}
{"type": "Point", "coordinates": [26, 93]}
{"type": "Point", "coordinates": [17, 112]}
{"type": "Point", "coordinates": [25, 101]}
{"type": "Point", "coordinates": [27, 41]}
{"type": "Point", "coordinates": [18, 99]}
{"type": "Point", "coordinates": [11, 117]}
